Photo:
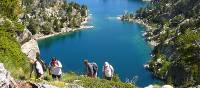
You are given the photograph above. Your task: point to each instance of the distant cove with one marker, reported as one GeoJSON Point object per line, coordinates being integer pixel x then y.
{"type": "Point", "coordinates": [120, 43]}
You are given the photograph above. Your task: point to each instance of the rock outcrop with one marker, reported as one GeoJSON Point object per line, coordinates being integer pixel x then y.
{"type": "Point", "coordinates": [40, 85]}
{"type": "Point", "coordinates": [6, 81]}
{"type": "Point", "coordinates": [30, 48]}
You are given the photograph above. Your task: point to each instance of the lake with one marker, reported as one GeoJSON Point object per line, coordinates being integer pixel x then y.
{"type": "Point", "coordinates": [120, 43]}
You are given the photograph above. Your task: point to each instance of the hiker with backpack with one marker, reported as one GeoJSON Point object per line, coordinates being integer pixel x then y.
{"type": "Point", "coordinates": [91, 69]}
{"type": "Point", "coordinates": [55, 69]}
{"type": "Point", "coordinates": [108, 71]}
{"type": "Point", "coordinates": [38, 66]}
{"type": "Point", "coordinates": [44, 65]}
{"type": "Point", "coordinates": [95, 69]}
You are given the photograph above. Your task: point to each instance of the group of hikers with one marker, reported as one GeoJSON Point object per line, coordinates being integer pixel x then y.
{"type": "Point", "coordinates": [55, 69]}
{"type": "Point", "coordinates": [39, 67]}
{"type": "Point", "coordinates": [92, 69]}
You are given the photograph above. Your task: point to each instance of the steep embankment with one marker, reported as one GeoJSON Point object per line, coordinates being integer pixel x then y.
{"type": "Point", "coordinates": [176, 36]}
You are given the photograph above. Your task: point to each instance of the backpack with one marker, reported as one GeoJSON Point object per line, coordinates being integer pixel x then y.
{"type": "Point", "coordinates": [44, 66]}
{"type": "Point", "coordinates": [95, 67]}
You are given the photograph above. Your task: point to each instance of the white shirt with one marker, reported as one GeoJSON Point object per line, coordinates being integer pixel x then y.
{"type": "Point", "coordinates": [39, 67]}
{"type": "Point", "coordinates": [108, 71]}
{"type": "Point", "coordinates": [56, 70]}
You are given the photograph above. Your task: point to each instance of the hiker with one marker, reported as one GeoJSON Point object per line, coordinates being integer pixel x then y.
{"type": "Point", "coordinates": [44, 66]}
{"type": "Point", "coordinates": [37, 68]}
{"type": "Point", "coordinates": [91, 69]}
{"type": "Point", "coordinates": [95, 69]}
{"type": "Point", "coordinates": [108, 71]}
{"type": "Point", "coordinates": [55, 69]}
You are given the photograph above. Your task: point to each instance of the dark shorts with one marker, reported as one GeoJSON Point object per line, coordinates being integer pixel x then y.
{"type": "Point", "coordinates": [108, 78]}
{"type": "Point", "coordinates": [89, 74]}
{"type": "Point", "coordinates": [56, 76]}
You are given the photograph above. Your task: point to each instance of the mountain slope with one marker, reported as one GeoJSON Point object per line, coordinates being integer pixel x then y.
{"type": "Point", "coordinates": [175, 28]}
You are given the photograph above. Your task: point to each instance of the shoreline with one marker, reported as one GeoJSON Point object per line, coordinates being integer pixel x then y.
{"type": "Point", "coordinates": [40, 36]}
{"type": "Point", "coordinates": [148, 38]}
{"type": "Point", "coordinates": [141, 22]}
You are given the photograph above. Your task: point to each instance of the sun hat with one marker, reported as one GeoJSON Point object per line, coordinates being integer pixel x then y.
{"type": "Point", "coordinates": [106, 64]}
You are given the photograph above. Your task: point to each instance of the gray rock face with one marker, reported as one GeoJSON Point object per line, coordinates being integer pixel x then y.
{"type": "Point", "coordinates": [40, 85]}
{"type": "Point", "coordinates": [6, 81]}
{"type": "Point", "coordinates": [30, 48]}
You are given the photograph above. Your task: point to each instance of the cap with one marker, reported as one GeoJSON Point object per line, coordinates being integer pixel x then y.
{"type": "Point", "coordinates": [106, 64]}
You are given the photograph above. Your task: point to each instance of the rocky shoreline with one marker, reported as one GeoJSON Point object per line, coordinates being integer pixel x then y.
{"type": "Point", "coordinates": [40, 36]}
{"type": "Point", "coordinates": [147, 26]}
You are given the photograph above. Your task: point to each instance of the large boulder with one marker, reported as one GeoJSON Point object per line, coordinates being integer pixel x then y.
{"type": "Point", "coordinates": [30, 48]}
{"type": "Point", "coordinates": [6, 81]}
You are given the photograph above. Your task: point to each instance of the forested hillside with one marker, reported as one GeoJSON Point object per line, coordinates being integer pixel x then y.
{"type": "Point", "coordinates": [175, 29]}
{"type": "Point", "coordinates": [50, 16]}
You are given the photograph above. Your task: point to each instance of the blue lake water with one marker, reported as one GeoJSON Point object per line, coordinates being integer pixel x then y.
{"type": "Point", "coordinates": [119, 43]}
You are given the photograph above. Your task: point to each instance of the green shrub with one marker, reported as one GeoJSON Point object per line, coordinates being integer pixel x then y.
{"type": "Point", "coordinates": [12, 57]}
{"type": "Point", "coordinates": [102, 83]}
{"type": "Point", "coordinates": [10, 8]}
{"type": "Point", "coordinates": [164, 68]}
{"type": "Point", "coordinates": [88, 82]}
{"type": "Point", "coordinates": [116, 78]}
